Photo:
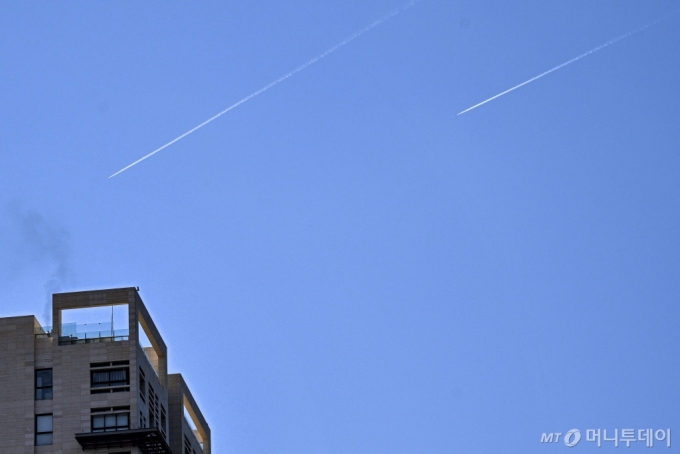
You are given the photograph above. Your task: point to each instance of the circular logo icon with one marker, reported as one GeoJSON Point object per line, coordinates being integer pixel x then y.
{"type": "Point", "coordinates": [572, 438]}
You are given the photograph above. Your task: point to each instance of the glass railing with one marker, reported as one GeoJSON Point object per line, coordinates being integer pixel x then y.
{"type": "Point", "coordinates": [73, 333]}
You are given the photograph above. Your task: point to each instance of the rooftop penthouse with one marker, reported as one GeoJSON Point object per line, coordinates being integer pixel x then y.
{"type": "Point", "coordinates": [95, 382]}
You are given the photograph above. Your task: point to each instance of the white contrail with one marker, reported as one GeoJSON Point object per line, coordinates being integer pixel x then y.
{"type": "Point", "coordinates": [279, 80]}
{"type": "Point", "coordinates": [608, 43]}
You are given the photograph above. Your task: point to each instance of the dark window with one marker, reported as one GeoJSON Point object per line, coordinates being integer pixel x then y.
{"type": "Point", "coordinates": [109, 409]}
{"type": "Point", "coordinates": [111, 422]}
{"type": "Point", "coordinates": [163, 420]}
{"type": "Point", "coordinates": [142, 386]}
{"type": "Point", "coordinates": [111, 377]}
{"type": "Point", "coordinates": [43, 384]}
{"type": "Point", "coordinates": [153, 408]}
{"type": "Point", "coordinates": [43, 430]}
{"type": "Point", "coordinates": [111, 363]}
{"type": "Point", "coordinates": [187, 445]}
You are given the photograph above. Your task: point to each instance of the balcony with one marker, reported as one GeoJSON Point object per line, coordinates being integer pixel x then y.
{"type": "Point", "coordinates": [149, 441]}
{"type": "Point", "coordinates": [86, 333]}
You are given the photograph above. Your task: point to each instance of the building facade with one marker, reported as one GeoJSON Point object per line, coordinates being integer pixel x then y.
{"type": "Point", "coordinates": [95, 388]}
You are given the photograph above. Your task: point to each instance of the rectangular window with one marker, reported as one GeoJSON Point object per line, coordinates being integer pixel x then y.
{"type": "Point", "coordinates": [43, 430]}
{"type": "Point", "coordinates": [153, 408]}
{"type": "Point", "coordinates": [111, 377]}
{"type": "Point", "coordinates": [163, 420]}
{"type": "Point", "coordinates": [43, 384]}
{"type": "Point", "coordinates": [142, 386]}
{"type": "Point", "coordinates": [110, 422]}
{"type": "Point", "coordinates": [187, 445]}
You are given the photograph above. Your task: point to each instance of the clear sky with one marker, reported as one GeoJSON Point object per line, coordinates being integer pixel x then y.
{"type": "Point", "coordinates": [341, 264]}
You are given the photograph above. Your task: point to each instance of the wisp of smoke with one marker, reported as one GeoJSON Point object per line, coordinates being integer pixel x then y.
{"type": "Point", "coordinates": [585, 54]}
{"type": "Point", "coordinates": [33, 240]}
{"type": "Point", "coordinates": [279, 80]}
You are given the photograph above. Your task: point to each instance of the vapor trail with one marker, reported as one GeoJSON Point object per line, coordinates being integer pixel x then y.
{"type": "Point", "coordinates": [585, 54]}
{"type": "Point", "coordinates": [279, 80]}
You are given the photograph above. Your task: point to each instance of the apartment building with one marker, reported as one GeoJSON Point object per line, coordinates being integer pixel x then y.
{"type": "Point", "coordinates": [98, 387]}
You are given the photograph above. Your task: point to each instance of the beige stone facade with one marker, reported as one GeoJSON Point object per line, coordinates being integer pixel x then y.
{"type": "Point", "coordinates": [108, 393]}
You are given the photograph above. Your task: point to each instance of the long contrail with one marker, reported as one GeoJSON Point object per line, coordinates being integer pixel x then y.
{"type": "Point", "coordinates": [585, 54]}
{"type": "Point", "coordinates": [279, 80]}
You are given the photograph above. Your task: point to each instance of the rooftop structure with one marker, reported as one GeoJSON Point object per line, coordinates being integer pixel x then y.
{"type": "Point", "coordinates": [99, 386]}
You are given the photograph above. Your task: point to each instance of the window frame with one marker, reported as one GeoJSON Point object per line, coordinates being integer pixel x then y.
{"type": "Point", "coordinates": [108, 384]}
{"type": "Point", "coordinates": [39, 389]}
{"type": "Point", "coordinates": [105, 428]}
{"type": "Point", "coordinates": [187, 445]}
{"type": "Point", "coordinates": [164, 421]}
{"type": "Point", "coordinates": [50, 433]}
{"type": "Point", "coordinates": [142, 385]}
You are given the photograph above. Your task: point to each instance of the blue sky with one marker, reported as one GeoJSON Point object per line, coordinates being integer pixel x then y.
{"type": "Point", "coordinates": [342, 264]}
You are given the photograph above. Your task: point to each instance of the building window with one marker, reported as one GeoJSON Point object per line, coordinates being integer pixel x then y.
{"type": "Point", "coordinates": [110, 422]}
{"type": "Point", "coordinates": [163, 421]}
{"type": "Point", "coordinates": [142, 386]}
{"type": "Point", "coordinates": [187, 445]}
{"type": "Point", "coordinates": [43, 384]}
{"type": "Point", "coordinates": [43, 430]}
{"type": "Point", "coordinates": [111, 377]}
{"type": "Point", "coordinates": [153, 408]}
